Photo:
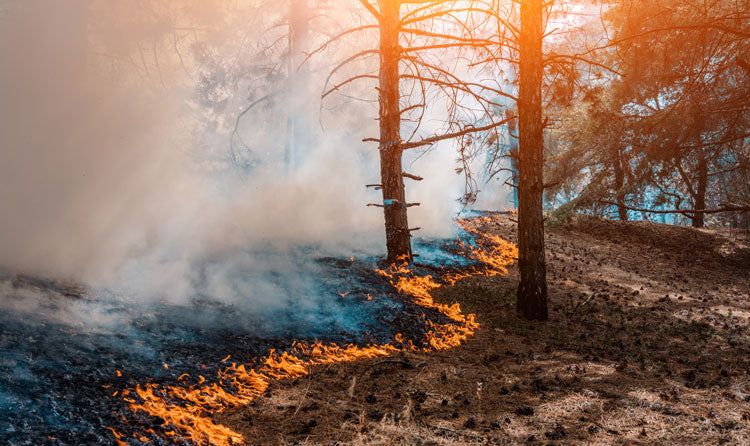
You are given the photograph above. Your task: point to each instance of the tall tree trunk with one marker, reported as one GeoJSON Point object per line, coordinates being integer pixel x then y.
{"type": "Point", "coordinates": [299, 33]}
{"type": "Point", "coordinates": [698, 220]}
{"type": "Point", "coordinates": [532, 289]}
{"type": "Point", "coordinates": [398, 240]}
{"type": "Point", "coordinates": [620, 184]}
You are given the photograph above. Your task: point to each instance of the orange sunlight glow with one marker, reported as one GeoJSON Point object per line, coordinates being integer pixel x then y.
{"type": "Point", "coordinates": [187, 409]}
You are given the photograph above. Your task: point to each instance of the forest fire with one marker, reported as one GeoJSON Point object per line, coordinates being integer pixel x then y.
{"type": "Point", "coordinates": [187, 410]}
{"type": "Point", "coordinates": [207, 201]}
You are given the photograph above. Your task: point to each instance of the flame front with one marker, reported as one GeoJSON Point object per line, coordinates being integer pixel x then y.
{"type": "Point", "coordinates": [187, 409]}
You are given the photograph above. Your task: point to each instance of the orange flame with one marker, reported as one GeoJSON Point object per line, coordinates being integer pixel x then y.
{"type": "Point", "coordinates": [187, 409]}
{"type": "Point", "coordinates": [118, 436]}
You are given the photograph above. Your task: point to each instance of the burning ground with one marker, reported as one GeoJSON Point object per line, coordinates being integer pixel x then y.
{"type": "Point", "coordinates": [88, 366]}
{"type": "Point", "coordinates": [648, 344]}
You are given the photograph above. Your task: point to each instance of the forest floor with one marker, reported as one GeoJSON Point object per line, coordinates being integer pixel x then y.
{"type": "Point", "coordinates": [648, 343]}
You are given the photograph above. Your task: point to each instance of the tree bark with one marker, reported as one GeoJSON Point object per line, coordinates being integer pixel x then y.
{"type": "Point", "coordinates": [532, 289]}
{"type": "Point", "coordinates": [619, 184]}
{"type": "Point", "coordinates": [698, 220]}
{"type": "Point", "coordinates": [398, 239]}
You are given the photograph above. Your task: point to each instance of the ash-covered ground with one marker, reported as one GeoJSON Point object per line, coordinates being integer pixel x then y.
{"type": "Point", "coordinates": [68, 351]}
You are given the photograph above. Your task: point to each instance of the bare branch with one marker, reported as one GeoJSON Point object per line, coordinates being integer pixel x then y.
{"type": "Point", "coordinates": [348, 81]}
{"type": "Point", "coordinates": [370, 8]}
{"type": "Point", "coordinates": [411, 177]}
{"type": "Point", "coordinates": [729, 208]}
{"type": "Point", "coordinates": [437, 138]}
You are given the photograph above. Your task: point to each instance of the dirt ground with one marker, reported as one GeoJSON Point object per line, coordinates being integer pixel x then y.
{"type": "Point", "coordinates": [648, 343]}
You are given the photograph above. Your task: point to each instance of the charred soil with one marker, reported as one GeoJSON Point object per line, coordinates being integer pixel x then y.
{"type": "Point", "coordinates": [648, 343]}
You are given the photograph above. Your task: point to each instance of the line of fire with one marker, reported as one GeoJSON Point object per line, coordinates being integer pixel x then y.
{"type": "Point", "coordinates": [374, 222]}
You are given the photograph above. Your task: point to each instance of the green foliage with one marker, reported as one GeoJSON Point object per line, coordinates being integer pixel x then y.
{"type": "Point", "coordinates": [672, 127]}
{"type": "Point", "coordinates": [560, 216]}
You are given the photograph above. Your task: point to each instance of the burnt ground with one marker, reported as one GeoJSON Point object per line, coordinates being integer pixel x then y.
{"type": "Point", "coordinates": [648, 343]}
{"type": "Point", "coordinates": [68, 353]}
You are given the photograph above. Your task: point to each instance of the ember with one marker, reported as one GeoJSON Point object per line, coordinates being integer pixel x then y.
{"type": "Point", "coordinates": [187, 409]}
{"type": "Point", "coordinates": [204, 202]}
{"type": "Point", "coordinates": [62, 378]}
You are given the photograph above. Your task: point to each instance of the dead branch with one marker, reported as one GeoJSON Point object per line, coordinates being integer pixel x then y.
{"type": "Point", "coordinates": [554, 59]}
{"type": "Point", "coordinates": [730, 208]}
{"type": "Point", "coordinates": [412, 177]}
{"type": "Point", "coordinates": [476, 43]}
{"type": "Point", "coordinates": [368, 6]}
{"type": "Point", "coordinates": [335, 38]}
{"type": "Point", "coordinates": [347, 61]}
{"type": "Point", "coordinates": [437, 138]}
{"type": "Point", "coordinates": [579, 305]}
{"type": "Point", "coordinates": [348, 81]}
{"type": "Point", "coordinates": [407, 109]}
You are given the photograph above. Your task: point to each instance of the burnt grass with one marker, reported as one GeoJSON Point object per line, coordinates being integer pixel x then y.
{"type": "Point", "coordinates": [648, 343]}
{"type": "Point", "coordinates": [60, 382]}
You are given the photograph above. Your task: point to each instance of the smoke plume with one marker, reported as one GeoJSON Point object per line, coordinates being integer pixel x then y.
{"type": "Point", "coordinates": [110, 175]}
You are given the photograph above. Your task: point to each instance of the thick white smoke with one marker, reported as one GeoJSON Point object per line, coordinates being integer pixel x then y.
{"type": "Point", "coordinates": [109, 176]}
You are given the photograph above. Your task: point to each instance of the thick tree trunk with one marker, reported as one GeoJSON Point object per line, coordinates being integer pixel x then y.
{"type": "Point", "coordinates": [398, 240]}
{"type": "Point", "coordinates": [532, 290]}
{"type": "Point", "coordinates": [698, 220]}
{"type": "Point", "coordinates": [619, 185]}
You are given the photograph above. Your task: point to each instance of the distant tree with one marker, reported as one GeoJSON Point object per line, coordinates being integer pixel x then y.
{"type": "Point", "coordinates": [674, 118]}
{"type": "Point", "coordinates": [281, 82]}
{"type": "Point", "coordinates": [298, 38]}
{"type": "Point", "coordinates": [594, 163]}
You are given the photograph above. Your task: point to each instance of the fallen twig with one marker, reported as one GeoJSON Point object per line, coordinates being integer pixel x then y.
{"type": "Point", "coordinates": [580, 304]}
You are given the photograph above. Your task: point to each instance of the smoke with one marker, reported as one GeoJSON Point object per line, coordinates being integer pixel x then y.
{"type": "Point", "coordinates": [116, 124]}
{"type": "Point", "coordinates": [115, 170]}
